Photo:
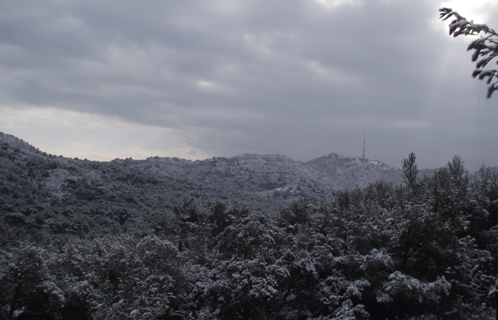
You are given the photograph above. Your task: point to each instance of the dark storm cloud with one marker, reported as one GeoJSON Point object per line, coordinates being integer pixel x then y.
{"type": "Point", "coordinates": [290, 77]}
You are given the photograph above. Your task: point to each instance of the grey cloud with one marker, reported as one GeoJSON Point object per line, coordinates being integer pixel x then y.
{"type": "Point", "coordinates": [248, 76]}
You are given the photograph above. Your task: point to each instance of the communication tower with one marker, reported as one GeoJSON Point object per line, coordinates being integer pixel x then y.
{"type": "Point", "coordinates": [363, 146]}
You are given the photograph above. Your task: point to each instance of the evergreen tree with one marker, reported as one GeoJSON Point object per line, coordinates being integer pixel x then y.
{"type": "Point", "coordinates": [410, 171]}
{"type": "Point", "coordinates": [485, 47]}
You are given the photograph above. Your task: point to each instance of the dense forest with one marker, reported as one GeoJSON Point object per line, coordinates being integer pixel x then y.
{"type": "Point", "coordinates": [423, 249]}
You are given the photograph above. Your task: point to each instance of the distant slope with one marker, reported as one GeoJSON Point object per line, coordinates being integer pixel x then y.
{"type": "Point", "coordinates": [266, 182]}
{"type": "Point", "coordinates": [340, 172]}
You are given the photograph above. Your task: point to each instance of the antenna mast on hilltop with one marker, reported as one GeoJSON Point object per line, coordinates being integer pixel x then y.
{"type": "Point", "coordinates": [363, 146]}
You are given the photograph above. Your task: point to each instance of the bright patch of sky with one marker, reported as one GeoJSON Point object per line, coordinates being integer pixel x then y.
{"type": "Point", "coordinates": [476, 10]}
{"type": "Point", "coordinates": [81, 135]}
{"type": "Point", "coordinates": [336, 3]}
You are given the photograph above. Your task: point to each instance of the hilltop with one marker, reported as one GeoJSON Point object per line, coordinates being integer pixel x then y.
{"type": "Point", "coordinates": [264, 182]}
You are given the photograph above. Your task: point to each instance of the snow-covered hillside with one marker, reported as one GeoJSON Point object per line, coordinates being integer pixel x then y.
{"type": "Point", "coordinates": [262, 181]}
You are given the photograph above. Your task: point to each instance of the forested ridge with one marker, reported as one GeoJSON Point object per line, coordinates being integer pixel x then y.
{"type": "Point", "coordinates": [265, 182]}
{"type": "Point", "coordinates": [92, 249]}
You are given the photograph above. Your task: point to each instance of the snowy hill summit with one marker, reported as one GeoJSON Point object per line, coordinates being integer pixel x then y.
{"type": "Point", "coordinates": [347, 172]}
{"type": "Point", "coordinates": [261, 181]}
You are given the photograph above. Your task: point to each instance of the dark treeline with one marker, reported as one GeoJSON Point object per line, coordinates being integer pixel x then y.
{"type": "Point", "coordinates": [424, 250]}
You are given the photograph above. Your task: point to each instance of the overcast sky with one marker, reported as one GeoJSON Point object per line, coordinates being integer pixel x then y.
{"type": "Point", "coordinates": [201, 78]}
